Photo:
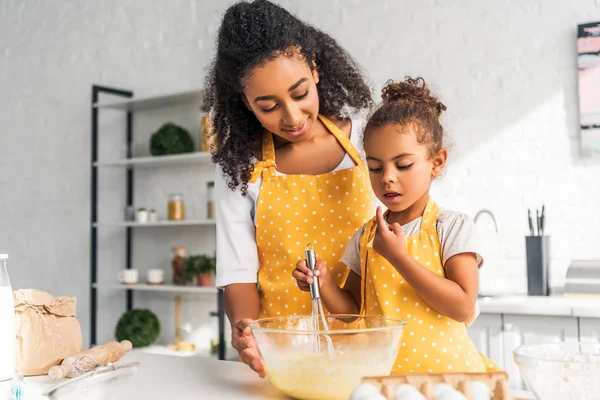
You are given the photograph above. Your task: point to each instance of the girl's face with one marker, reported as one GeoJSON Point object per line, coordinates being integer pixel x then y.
{"type": "Point", "coordinates": [283, 95]}
{"type": "Point", "coordinates": [400, 168]}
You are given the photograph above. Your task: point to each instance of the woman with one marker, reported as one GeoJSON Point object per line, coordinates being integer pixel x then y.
{"type": "Point", "coordinates": [284, 98]}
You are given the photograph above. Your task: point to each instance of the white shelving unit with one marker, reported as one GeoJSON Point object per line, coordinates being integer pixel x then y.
{"type": "Point", "coordinates": [128, 224]}
{"type": "Point", "coordinates": [177, 289]}
{"type": "Point", "coordinates": [199, 158]}
{"type": "Point", "coordinates": [152, 102]}
{"type": "Point", "coordinates": [196, 159]}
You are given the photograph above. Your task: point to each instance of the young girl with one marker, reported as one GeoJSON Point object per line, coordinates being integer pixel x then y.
{"type": "Point", "coordinates": [414, 262]}
{"type": "Point", "coordinates": [288, 166]}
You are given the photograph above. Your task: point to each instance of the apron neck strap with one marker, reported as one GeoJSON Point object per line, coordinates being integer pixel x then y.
{"type": "Point", "coordinates": [430, 215]}
{"type": "Point", "coordinates": [342, 139]}
{"type": "Point", "coordinates": [268, 148]}
{"type": "Point", "coordinates": [268, 145]}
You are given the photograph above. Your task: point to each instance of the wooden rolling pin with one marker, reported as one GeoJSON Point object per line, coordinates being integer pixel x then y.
{"type": "Point", "coordinates": [102, 355]}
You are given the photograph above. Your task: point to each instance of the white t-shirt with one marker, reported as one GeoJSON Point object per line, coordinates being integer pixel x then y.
{"type": "Point", "coordinates": [456, 232]}
{"type": "Point", "coordinates": [237, 254]}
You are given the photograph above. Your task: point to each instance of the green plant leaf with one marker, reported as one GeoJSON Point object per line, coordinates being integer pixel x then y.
{"type": "Point", "coordinates": [171, 139]}
{"type": "Point", "coordinates": [140, 327]}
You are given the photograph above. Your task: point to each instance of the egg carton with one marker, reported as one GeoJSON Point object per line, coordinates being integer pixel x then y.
{"type": "Point", "coordinates": [497, 382]}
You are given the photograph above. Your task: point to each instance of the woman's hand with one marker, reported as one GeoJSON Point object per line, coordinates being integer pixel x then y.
{"type": "Point", "coordinates": [243, 341]}
{"type": "Point", "coordinates": [389, 240]}
{"type": "Point", "coordinates": [304, 276]}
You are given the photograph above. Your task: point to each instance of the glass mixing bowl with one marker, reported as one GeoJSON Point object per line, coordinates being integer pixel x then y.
{"type": "Point", "coordinates": [561, 371]}
{"type": "Point", "coordinates": [308, 362]}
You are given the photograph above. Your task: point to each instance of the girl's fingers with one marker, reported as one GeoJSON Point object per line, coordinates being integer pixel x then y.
{"type": "Point", "coordinates": [301, 277]}
{"type": "Point", "coordinates": [382, 225]}
{"type": "Point", "coordinates": [396, 228]}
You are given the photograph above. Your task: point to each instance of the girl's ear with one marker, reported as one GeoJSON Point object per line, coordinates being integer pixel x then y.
{"type": "Point", "coordinates": [438, 163]}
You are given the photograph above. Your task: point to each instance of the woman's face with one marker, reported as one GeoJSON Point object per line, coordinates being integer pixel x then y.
{"type": "Point", "coordinates": [283, 95]}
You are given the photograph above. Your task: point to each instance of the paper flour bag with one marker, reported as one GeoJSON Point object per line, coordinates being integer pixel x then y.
{"type": "Point", "coordinates": [47, 330]}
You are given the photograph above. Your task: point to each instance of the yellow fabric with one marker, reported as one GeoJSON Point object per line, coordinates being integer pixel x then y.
{"type": "Point", "coordinates": [431, 342]}
{"type": "Point", "coordinates": [294, 210]}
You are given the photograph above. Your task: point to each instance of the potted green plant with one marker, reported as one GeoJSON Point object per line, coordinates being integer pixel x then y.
{"type": "Point", "coordinates": [140, 326]}
{"type": "Point", "coordinates": [210, 270]}
{"type": "Point", "coordinates": [202, 268]}
{"type": "Point", "coordinates": [171, 139]}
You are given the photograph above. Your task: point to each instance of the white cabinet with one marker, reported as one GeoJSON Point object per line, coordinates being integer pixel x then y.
{"type": "Point", "coordinates": [526, 329]}
{"type": "Point", "coordinates": [486, 333]}
{"type": "Point", "coordinates": [589, 329]}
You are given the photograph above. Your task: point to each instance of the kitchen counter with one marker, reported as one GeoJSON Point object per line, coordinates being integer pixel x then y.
{"type": "Point", "coordinates": [180, 378]}
{"type": "Point", "coordinates": [170, 377]}
{"type": "Point", "coordinates": [555, 305]}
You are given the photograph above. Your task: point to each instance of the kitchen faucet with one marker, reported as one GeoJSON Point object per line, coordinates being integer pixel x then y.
{"type": "Point", "coordinates": [490, 214]}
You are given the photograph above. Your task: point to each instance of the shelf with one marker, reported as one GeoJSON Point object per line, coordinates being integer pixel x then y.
{"type": "Point", "coordinates": [159, 288]}
{"type": "Point", "coordinates": [126, 224]}
{"type": "Point", "coordinates": [192, 97]}
{"type": "Point", "coordinates": [199, 157]}
{"type": "Point", "coordinates": [188, 102]}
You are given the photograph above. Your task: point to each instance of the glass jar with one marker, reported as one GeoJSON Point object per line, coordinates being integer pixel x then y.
{"type": "Point", "coordinates": [210, 201]}
{"type": "Point", "coordinates": [205, 133]}
{"type": "Point", "coordinates": [176, 210]}
{"type": "Point", "coordinates": [179, 259]}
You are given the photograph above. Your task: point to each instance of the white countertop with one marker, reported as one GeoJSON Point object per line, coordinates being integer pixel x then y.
{"type": "Point", "coordinates": [555, 305]}
{"type": "Point", "coordinates": [167, 377]}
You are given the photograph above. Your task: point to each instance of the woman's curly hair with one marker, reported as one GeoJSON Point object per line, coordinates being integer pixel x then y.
{"type": "Point", "coordinates": [411, 102]}
{"type": "Point", "coordinates": [252, 34]}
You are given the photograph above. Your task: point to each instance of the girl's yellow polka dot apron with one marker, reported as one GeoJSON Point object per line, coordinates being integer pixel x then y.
{"type": "Point", "coordinates": [431, 342]}
{"type": "Point", "coordinates": [294, 210]}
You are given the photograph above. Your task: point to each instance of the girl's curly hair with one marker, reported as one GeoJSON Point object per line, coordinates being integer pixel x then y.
{"type": "Point", "coordinates": [252, 34]}
{"type": "Point", "coordinates": [411, 102]}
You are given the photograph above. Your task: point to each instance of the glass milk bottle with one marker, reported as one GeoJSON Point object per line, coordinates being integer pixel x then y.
{"type": "Point", "coordinates": [7, 323]}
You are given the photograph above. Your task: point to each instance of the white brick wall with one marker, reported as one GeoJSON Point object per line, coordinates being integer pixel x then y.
{"type": "Point", "coordinates": [506, 70]}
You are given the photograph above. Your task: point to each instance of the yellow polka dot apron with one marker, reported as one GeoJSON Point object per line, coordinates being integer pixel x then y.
{"type": "Point", "coordinates": [431, 342]}
{"type": "Point", "coordinates": [294, 210]}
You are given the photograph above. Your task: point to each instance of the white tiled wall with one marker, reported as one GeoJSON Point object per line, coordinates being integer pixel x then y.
{"type": "Point", "coordinates": [506, 70]}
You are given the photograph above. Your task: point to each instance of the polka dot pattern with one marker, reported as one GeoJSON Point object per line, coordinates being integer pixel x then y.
{"type": "Point", "coordinates": [431, 342]}
{"type": "Point", "coordinates": [294, 210]}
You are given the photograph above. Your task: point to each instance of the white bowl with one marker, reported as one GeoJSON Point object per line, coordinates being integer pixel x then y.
{"type": "Point", "coordinates": [561, 371]}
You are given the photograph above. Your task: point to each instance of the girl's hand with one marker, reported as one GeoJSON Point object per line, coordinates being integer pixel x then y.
{"type": "Point", "coordinates": [389, 239]}
{"type": "Point", "coordinates": [304, 276]}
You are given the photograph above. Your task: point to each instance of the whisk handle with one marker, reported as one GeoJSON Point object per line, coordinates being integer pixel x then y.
{"type": "Point", "coordinates": [311, 261]}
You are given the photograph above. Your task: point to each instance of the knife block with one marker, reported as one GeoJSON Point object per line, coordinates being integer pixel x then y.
{"type": "Point", "coordinates": [537, 249]}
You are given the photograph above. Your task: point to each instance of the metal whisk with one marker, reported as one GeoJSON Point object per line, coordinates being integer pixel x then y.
{"type": "Point", "coordinates": [311, 260]}
{"type": "Point", "coordinates": [317, 306]}
{"type": "Point", "coordinates": [84, 364]}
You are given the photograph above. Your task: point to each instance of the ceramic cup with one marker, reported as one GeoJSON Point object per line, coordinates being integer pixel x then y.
{"type": "Point", "coordinates": [128, 276]}
{"type": "Point", "coordinates": [155, 276]}
{"type": "Point", "coordinates": [141, 216]}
